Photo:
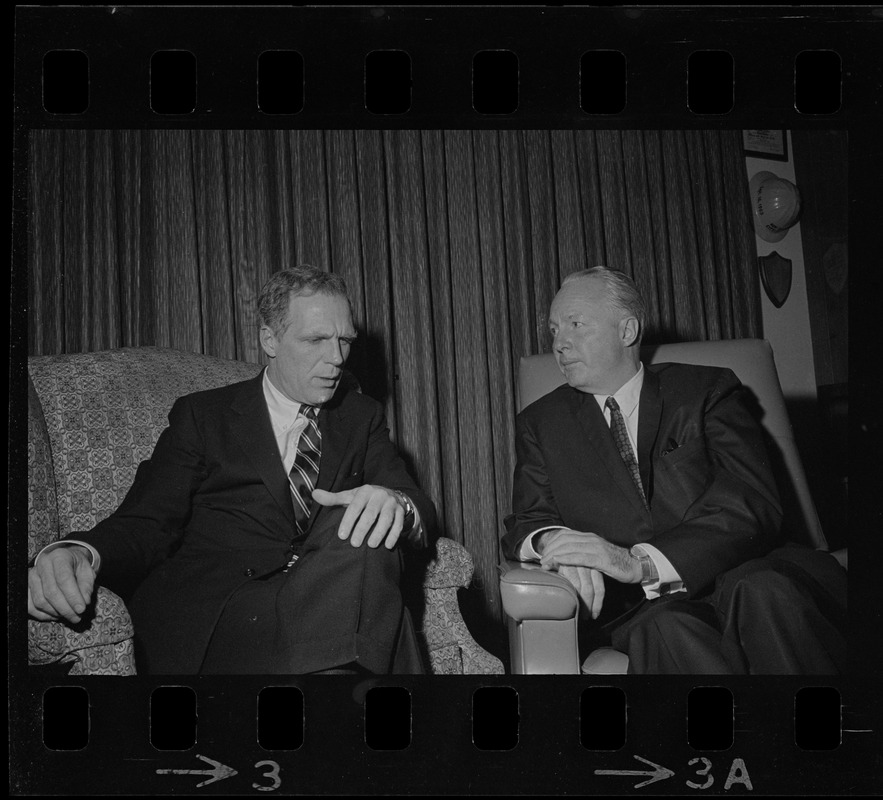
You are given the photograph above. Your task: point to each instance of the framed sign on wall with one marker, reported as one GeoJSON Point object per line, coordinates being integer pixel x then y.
{"type": "Point", "coordinates": [772, 144]}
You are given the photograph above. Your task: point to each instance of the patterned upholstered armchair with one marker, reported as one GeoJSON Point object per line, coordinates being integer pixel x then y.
{"type": "Point", "coordinates": [92, 418]}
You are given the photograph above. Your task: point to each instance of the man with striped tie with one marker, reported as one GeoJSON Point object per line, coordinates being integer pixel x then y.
{"type": "Point", "coordinates": [264, 534]}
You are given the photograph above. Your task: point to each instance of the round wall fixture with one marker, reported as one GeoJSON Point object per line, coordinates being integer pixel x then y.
{"type": "Point", "coordinates": [776, 205]}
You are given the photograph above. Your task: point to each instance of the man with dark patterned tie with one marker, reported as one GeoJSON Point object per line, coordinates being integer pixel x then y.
{"type": "Point", "coordinates": [649, 489]}
{"type": "Point", "coordinates": [263, 536]}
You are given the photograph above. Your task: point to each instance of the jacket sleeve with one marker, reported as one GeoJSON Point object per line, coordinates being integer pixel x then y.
{"type": "Point", "coordinates": [533, 504]}
{"type": "Point", "coordinates": [724, 478]}
{"type": "Point", "coordinates": [150, 521]}
{"type": "Point", "coordinates": [385, 467]}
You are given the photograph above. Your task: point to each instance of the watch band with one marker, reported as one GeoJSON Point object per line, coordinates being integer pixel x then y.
{"type": "Point", "coordinates": [649, 573]}
{"type": "Point", "coordinates": [408, 506]}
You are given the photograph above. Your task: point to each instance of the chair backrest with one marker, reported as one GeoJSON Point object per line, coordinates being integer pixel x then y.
{"type": "Point", "coordinates": [752, 361]}
{"type": "Point", "coordinates": [104, 412]}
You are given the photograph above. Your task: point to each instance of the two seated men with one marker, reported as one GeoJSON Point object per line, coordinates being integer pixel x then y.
{"type": "Point", "coordinates": [263, 534]}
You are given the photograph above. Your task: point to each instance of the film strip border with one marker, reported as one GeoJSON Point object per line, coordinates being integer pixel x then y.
{"type": "Point", "coordinates": [552, 720]}
{"type": "Point", "coordinates": [389, 85]}
{"type": "Point", "coordinates": [446, 67]}
{"type": "Point", "coordinates": [474, 735]}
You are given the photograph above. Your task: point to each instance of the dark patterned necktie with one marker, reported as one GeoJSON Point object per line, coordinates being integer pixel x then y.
{"type": "Point", "coordinates": [305, 470]}
{"type": "Point", "coordinates": [621, 437]}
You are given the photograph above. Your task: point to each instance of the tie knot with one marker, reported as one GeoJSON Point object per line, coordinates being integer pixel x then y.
{"type": "Point", "coordinates": [611, 404]}
{"type": "Point", "coordinates": [309, 412]}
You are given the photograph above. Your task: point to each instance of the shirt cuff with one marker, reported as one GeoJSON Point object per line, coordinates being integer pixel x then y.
{"type": "Point", "coordinates": [669, 580]}
{"type": "Point", "coordinates": [93, 553]}
{"type": "Point", "coordinates": [527, 552]}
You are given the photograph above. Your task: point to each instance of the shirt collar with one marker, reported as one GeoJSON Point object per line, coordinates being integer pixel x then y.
{"type": "Point", "coordinates": [628, 395]}
{"type": "Point", "coordinates": [283, 411]}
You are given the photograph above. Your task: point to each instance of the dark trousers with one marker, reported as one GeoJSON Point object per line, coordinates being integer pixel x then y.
{"type": "Point", "coordinates": [253, 633]}
{"type": "Point", "coordinates": [784, 614]}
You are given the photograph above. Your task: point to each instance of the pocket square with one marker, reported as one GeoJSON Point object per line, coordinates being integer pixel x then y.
{"type": "Point", "coordinates": [670, 447]}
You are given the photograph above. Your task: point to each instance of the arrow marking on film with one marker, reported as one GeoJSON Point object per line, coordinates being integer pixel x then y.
{"type": "Point", "coordinates": [218, 771]}
{"type": "Point", "coordinates": [659, 772]}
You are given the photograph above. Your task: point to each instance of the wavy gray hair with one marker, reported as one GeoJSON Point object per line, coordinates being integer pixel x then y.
{"type": "Point", "coordinates": [302, 280]}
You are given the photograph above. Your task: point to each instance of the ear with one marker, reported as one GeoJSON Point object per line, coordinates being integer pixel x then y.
{"type": "Point", "coordinates": [268, 341]}
{"type": "Point", "coordinates": [629, 329]}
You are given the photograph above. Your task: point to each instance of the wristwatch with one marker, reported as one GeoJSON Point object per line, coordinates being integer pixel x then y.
{"type": "Point", "coordinates": [649, 573]}
{"type": "Point", "coordinates": [408, 506]}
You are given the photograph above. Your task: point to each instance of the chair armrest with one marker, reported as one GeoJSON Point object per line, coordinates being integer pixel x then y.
{"type": "Point", "coordinates": [450, 646]}
{"type": "Point", "coordinates": [99, 645]}
{"type": "Point", "coordinates": [529, 592]}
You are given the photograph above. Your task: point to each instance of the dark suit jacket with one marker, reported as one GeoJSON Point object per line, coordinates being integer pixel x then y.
{"type": "Point", "coordinates": [704, 467]}
{"type": "Point", "coordinates": [211, 509]}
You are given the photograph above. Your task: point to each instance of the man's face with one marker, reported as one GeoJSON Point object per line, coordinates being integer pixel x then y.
{"type": "Point", "coordinates": [308, 355]}
{"type": "Point", "coordinates": [591, 337]}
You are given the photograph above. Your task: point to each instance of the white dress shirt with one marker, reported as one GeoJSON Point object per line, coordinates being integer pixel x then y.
{"type": "Point", "coordinates": [287, 422]}
{"type": "Point", "coordinates": [628, 398]}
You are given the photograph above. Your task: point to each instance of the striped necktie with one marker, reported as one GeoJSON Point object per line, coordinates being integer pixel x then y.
{"type": "Point", "coordinates": [621, 437]}
{"type": "Point", "coordinates": [305, 470]}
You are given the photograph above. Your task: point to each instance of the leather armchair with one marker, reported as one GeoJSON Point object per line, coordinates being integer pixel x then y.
{"type": "Point", "coordinates": [542, 608]}
{"type": "Point", "coordinates": [92, 418]}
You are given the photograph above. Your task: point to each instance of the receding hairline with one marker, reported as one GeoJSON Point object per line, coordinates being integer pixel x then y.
{"type": "Point", "coordinates": [578, 282]}
{"type": "Point", "coordinates": [305, 292]}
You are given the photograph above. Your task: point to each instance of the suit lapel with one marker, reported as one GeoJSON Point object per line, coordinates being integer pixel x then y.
{"type": "Point", "coordinates": [250, 422]}
{"type": "Point", "coordinates": [650, 412]}
{"type": "Point", "coordinates": [335, 429]}
{"type": "Point", "coordinates": [593, 424]}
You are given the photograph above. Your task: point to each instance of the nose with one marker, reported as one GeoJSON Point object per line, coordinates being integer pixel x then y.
{"type": "Point", "coordinates": [336, 356]}
{"type": "Point", "coordinates": [559, 342]}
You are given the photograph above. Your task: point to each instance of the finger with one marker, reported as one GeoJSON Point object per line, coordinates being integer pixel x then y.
{"type": "Point", "coordinates": [85, 579]}
{"type": "Point", "coordinates": [33, 611]}
{"type": "Point", "coordinates": [587, 590]}
{"type": "Point", "coordinates": [548, 563]}
{"type": "Point", "coordinates": [351, 515]}
{"type": "Point", "coordinates": [55, 598]}
{"type": "Point", "coordinates": [576, 557]}
{"type": "Point", "coordinates": [396, 531]}
{"type": "Point", "coordinates": [366, 520]}
{"type": "Point", "coordinates": [384, 522]}
{"type": "Point", "coordinates": [599, 589]}
{"type": "Point", "coordinates": [570, 545]}
{"type": "Point", "coordinates": [580, 580]}
{"type": "Point", "coordinates": [571, 537]}
{"type": "Point", "coordinates": [66, 579]}
{"type": "Point", "coordinates": [324, 498]}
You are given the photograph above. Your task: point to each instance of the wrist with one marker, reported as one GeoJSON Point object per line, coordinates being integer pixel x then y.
{"type": "Point", "coordinates": [73, 548]}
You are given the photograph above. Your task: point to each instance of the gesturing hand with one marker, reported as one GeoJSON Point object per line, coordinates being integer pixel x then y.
{"type": "Point", "coordinates": [60, 584]}
{"type": "Point", "coordinates": [368, 508]}
{"type": "Point", "coordinates": [583, 549]}
{"type": "Point", "coordinates": [589, 584]}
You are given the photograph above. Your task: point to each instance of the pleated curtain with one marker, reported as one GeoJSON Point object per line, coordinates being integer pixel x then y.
{"type": "Point", "coordinates": [453, 244]}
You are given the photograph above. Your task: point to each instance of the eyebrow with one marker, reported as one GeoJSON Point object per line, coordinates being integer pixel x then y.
{"type": "Point", "coordinates": [572, 315]}
{"type": "Point", "coordinates": [326, 335]}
